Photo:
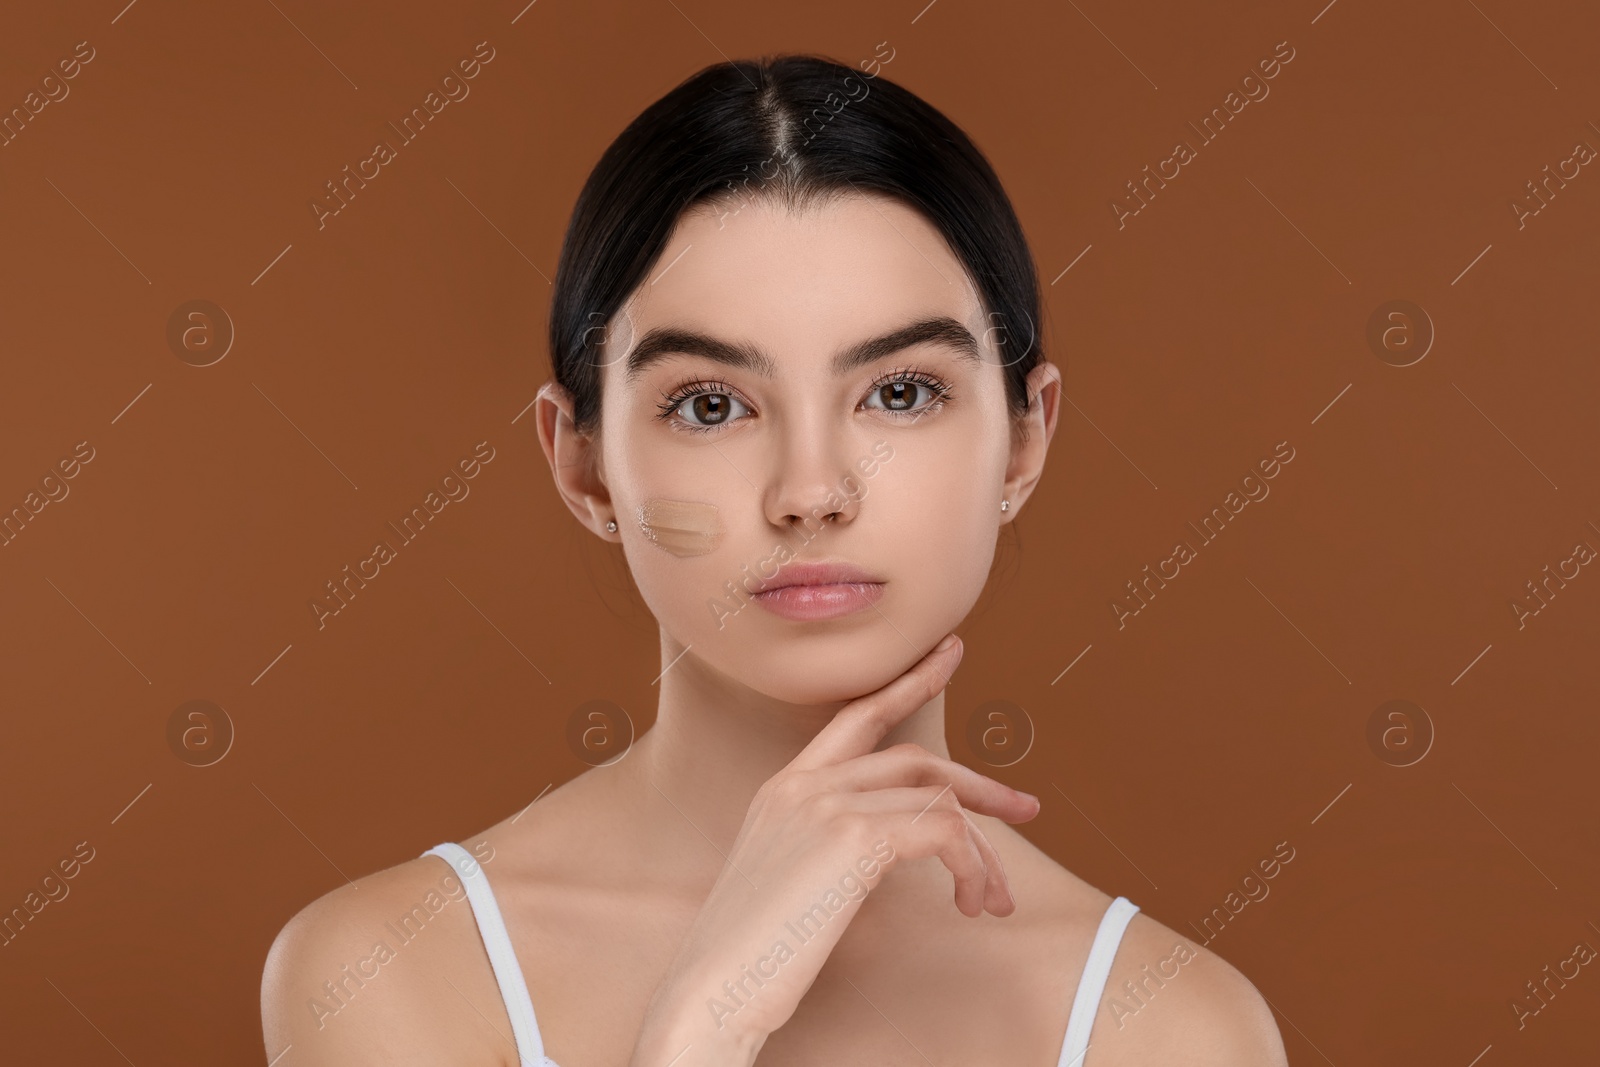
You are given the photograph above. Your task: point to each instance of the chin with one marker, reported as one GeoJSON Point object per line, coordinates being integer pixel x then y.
{"type": "Point", "coordinates": [821, 667]}
{"type": "Point", "coordinates": [809, 684]}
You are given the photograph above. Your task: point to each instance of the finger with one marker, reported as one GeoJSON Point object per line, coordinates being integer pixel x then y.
{"type": "Point", "coordinates": [999, 899]}
{"type": "Point", "coordinates": [946, 833]}
{"type": "Point", "coordinates": [865, 721]}
{"type": "Point", "coordinates": [912, 765]}
{"type": "Point", "coordinates": [916, 804]}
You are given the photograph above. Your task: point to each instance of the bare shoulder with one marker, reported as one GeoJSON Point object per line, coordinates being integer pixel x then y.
{"type": "Point", "coordinates": [1168, 999]}
{"type": "Point", "coordinates": [386, 969]}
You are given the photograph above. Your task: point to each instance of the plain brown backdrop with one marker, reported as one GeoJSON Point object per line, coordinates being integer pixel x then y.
{"type": "Point", "coordinates": [1230, 314]}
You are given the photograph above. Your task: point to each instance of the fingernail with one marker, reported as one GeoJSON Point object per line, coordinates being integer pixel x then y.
{"type": "Point", "coordinates": [947, 644]}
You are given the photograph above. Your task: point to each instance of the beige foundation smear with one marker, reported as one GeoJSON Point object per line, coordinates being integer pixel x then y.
{"type": "Point", "coordinates": [681, 527]}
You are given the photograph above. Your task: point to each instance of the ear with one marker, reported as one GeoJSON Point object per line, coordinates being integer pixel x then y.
{"type": "Point", "coordinates": [575, 460]}
{"type": "Point", "coordinates": [1030, 439]}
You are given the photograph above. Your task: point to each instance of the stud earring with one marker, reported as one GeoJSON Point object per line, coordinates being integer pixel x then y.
{"type": "Point", "coordinates": [1005, 505]}
{"type": "Point", "coordinates": [611, 526]}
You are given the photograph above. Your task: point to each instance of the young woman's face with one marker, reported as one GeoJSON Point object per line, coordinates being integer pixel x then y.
{"type": "Point", "coordinates": [799, 446]}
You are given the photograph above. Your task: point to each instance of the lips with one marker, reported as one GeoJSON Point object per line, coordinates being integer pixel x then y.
{"type": "Point", "coordinates": [811, 592]}
{"type": "Point", "coordinates": [821, 574]}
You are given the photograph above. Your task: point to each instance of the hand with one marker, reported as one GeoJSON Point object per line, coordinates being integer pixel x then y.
{"type": "Point", "coordinates": [817, 837]}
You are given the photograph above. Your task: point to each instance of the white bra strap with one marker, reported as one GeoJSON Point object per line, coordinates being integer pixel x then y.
{"type": "Point", "coordinates": [1093, 982]}
{"type": "Point", "coordinates": [502, 957]}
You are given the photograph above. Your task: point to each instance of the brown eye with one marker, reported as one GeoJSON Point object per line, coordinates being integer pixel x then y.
{"type": "Point", "coordinates": [705, 409]}
{"type": "Point", "coordinates": [908, 393]}
{"type": "Point", "coordinates": [710, 408]}
{"type": "Point", "coordinates": [897, 396]}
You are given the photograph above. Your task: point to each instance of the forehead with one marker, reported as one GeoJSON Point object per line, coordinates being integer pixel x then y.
{"type": "Point", "coordinates": [801, 283]}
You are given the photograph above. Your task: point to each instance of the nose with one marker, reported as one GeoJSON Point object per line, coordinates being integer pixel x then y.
{"type": "Point", "coordinates": [814, 481]}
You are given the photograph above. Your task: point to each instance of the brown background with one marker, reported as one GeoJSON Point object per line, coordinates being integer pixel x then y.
{"type": "Point", "coordinates": [1229, 716]}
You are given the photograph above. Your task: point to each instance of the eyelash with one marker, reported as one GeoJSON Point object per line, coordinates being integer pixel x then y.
{"type": "Point", "coordinates": [669, 405]}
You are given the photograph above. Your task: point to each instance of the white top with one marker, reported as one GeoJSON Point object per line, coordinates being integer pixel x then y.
{"type": "Point", "coordinates": [525, 1025]}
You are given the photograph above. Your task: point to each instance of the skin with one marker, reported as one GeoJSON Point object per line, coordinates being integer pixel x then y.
{"type": "Point", "coordinates": [614, 961]}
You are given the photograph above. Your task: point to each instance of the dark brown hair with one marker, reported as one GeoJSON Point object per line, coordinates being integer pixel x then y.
{"type": "Point", "coordinates": [798, 128]}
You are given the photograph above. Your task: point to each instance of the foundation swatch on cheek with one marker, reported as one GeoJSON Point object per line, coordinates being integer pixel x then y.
{"type": "Point", "coordinates": [681, 527]}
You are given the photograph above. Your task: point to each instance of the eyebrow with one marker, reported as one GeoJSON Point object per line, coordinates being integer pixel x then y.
{"type": "Point", "coordinates": [664, 343]}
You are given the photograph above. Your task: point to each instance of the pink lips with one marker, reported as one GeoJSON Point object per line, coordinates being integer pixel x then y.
{"type": "Point", "coordinates": [807, 592]}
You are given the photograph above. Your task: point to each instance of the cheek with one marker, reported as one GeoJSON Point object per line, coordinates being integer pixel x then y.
{"type": "Point", "coordinates": [681, 556]}
{"type": "Point", "coordinates": [936, 532]}
{"type": "Point", "coordinates": [676, 589]}
{"type": "Point", "coordinates": [673, 509]}
{"type": "Point", "coordinates": [684, 529]}
{"type": "Point", "coordinates": [660, 487]}
{"type": "Point", "coordinates": [679, 543]}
